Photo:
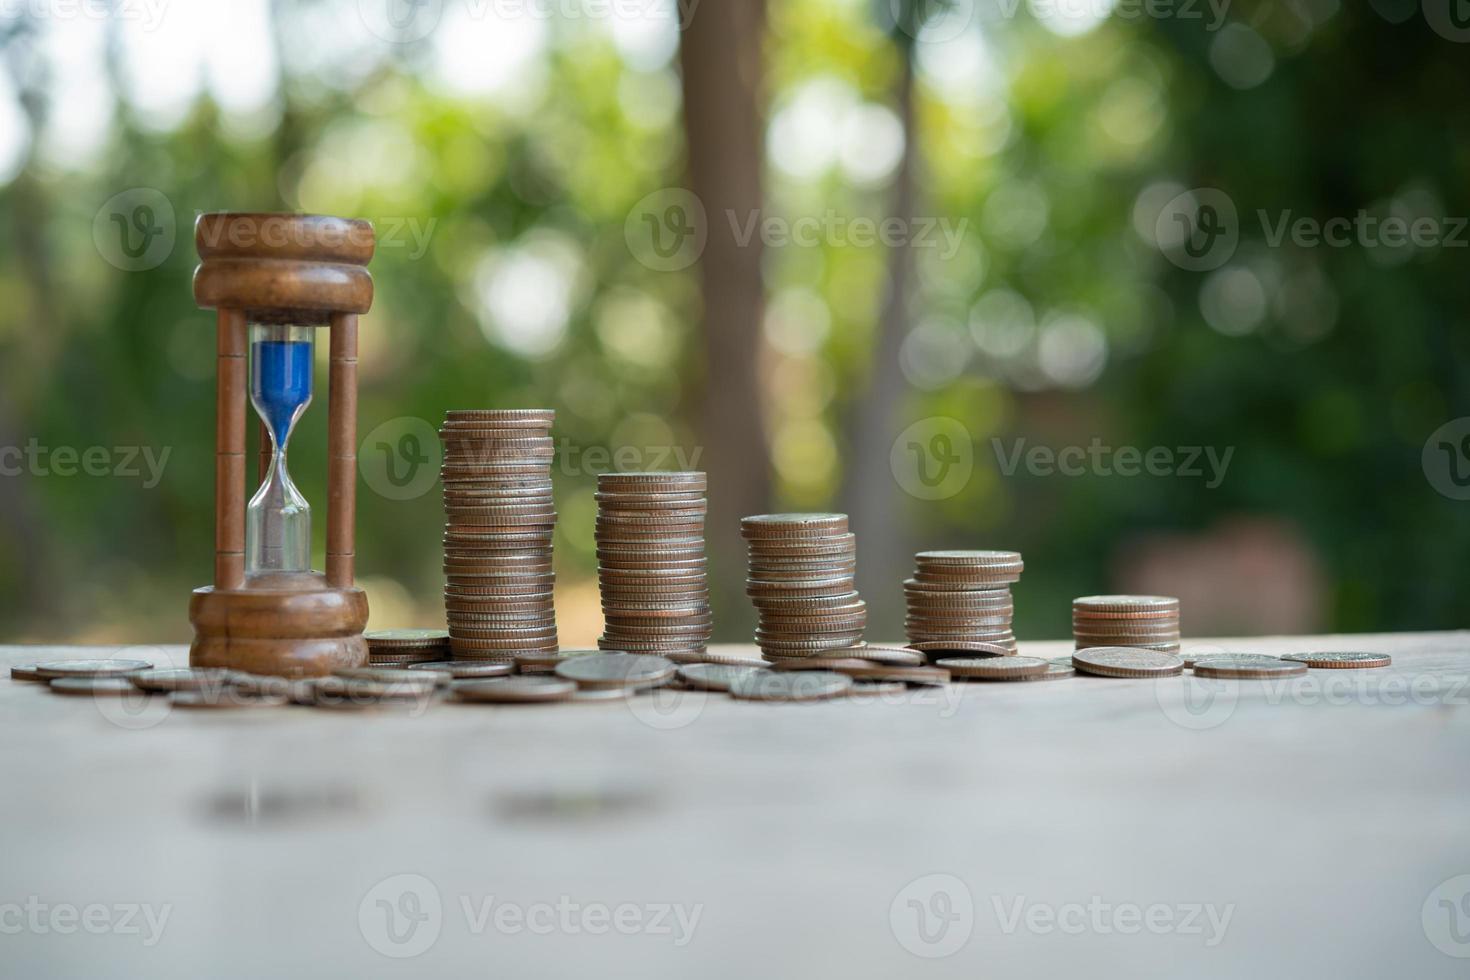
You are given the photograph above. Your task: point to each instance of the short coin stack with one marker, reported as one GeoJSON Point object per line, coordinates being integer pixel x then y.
{"type": "Point", "coordinates": [1144, 622]}
{"type": "Point", "coordinates": [651, 564]}
{"type": "Point", "coordinates": [960, 601]}
{"type": "Point", "coordinates": [497, 538]}
{"type": "Point", "coordinates": [803, 582]}
{"type": "Point", "coordinates": [399, 648]}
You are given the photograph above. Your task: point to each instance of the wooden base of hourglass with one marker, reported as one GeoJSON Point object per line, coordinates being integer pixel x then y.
{"type": "Point", "coordinates": [289, 624]}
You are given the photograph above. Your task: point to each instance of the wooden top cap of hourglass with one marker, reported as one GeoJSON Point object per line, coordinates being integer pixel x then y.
{"type": "Point", "coordinates": [283, 268]}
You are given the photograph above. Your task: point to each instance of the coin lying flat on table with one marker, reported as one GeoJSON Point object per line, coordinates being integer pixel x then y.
{"type": "Point", "coordinates": [1240, 658]}
{"type": "Point", "coordinates": [1054, 672]}
{"type": "Point", "coordinates": [514, 690]}
{"type": "Point", "coordinates": [793, 686]}
{"type": "Point", "coordinates": [25, 672]}
{"type": "Point", "coordinates": [93, 686]}
{"type": "Point", "coordinates": [465, 669]}
{"type": "Point", "coordinates": [183, 679]}
{"type": "Point", "coordinates": [868, 671]}
{"type": "Point", "coordinates": [730, 659]}
{"type": "Point", "coordinates": [714, 677]}
{"type": "Point", "coordinates": [1126, 662]}
{"type": "Point", "coordinates": [1241, 669]}
{"type": "Point", "coordinates": [895, 656]}
{"type": "Point", "coordinates": [1341, 661]}
{"type": "Point", "coordinates": [90, 668]}
{"type": "Point", "coordinates": [388, 675]}
{"type": "Point", "coordinates": [204, 700]}
{"type": "Point", "coordinates": [994, 668]}
{"type": "Point", "coordinates": [617, 670]}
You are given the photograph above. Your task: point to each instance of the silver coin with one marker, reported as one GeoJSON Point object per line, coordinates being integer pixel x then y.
{"type": "Point", "coordinates": [1054, 672]}
{"type": "Point", "coordinates": [514, 690]}
{"type": "Point", "coordinates": [90, 668]}
{"type": "Point", "coordinates": [389, 675]}
{"type": "Point", "coordinates": [465, 669]}
{"type": "Point", "coordinates": [93, 686]}
{"type": "Point", "coordinates": [1341, 661]}
{"type": "Point", "coordinates": [232, 699]}
{"type": "Point", "coordinates": [714, 677]}
{"type": "Point", "coordinates": [994, 668]}
{"type": "Point", "coordinates": [25, 672]}
{"type": "Point", "coordinates": [617, 670]}
{"type": "Point", "coordinates": [170, 679]}
{"type": "Point", "coordinates": [1241, 668]}
{"type": "Point", "coordinates": [791, 686]}
{"type": "Point", "coordinates": [1126, 662]}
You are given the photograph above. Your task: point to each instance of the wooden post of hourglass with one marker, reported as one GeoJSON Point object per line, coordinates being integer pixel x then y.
{"type": "Point", "coordinates": [287, 269]}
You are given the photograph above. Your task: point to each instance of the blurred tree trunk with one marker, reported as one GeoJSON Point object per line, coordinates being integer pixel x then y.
{"type": "Point", "coordinates": [871, 494]}
{"type": "Point", "coordinates": [720, 58]}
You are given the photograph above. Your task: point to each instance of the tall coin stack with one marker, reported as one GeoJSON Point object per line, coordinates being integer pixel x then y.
{"type": "Point", "coordinates": [803, 582]}
{"type": "Point", "coordinates": [961, 601]}
{"type": "Point", "coordinates": [497, 536]}
{"type": "Point", "coordinates": [1147, 622]}
{"type": "Point", "coordinates": [651, 564]}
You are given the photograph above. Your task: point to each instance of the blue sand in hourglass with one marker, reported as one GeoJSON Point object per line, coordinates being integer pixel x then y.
{"type": "Point", "coordinates": [282, 384]}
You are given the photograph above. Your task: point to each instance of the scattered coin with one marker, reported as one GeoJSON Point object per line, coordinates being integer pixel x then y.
{"type": "Point", "coordinates": [98, 686]}
{"type": "Point", "coordinates": [466, 669]}
{"type": "Point", "coordinates": [1341, 661]}
{"type": "Point", "coordinates": [866, 671]}
{"type": "Point", "coordinates": [1054, 672]}
{"type": "Point", "coordinates": [1126, 662]}
{"type": "Point", "coordinates": [994, 668]}
{"type": "Point", "coordinates": [25, 672]}
{"type": "Point", "coordinates": [514, 690]}
{"type": "Point", "coordinates": [816, 663]}
{"type": "Point", "coordinates": [90, 668]}
{"type": "Point", "coordinates": [165, 680]}
{"type": "Point", "coordinates": [731, 659]}
{"type": "Point", "coordinates": [874, 689]}
{"type": "Point", "coordinates": [602, 694]}
{"type": "Point", "coordinates": [714, 677]}
{"type": "Point", "coordinates": [224, 700]}
{"type": "Point", "coordinates": [617, 670]}
{"type": "Point", "coordinates": [897, 656]}
{"type": "Point", "coordinates": [1239, 658]}
{"type": "Point", "coordinates": [388, 675]}
{"type": "Point", "coordinates": [1245, 669]}
{"type": "Point", "coordinates": [794, 686]}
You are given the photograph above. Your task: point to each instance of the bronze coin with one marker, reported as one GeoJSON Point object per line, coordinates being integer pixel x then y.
{"type": "Point", "coordinates": [1126, 662]}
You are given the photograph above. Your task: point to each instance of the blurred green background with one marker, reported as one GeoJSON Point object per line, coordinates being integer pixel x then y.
{"type": "Point", "coordinates": [665, 223]}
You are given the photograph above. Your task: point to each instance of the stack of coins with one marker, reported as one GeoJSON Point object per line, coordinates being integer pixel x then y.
{"type": "Point", "coordinates": [1147, 622]}
{"type": "Point", "coordinates": [960, 601]}
{"type": "Point", "coordinates": [651, 564]}
{"type": "Point", "coordinates": [497, 537]}
{"type": "Point", "coordinates": [803, 582]}
{"type": "Point", "coordinates": [399, 648]}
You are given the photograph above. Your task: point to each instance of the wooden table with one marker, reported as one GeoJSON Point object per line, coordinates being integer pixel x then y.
{"type": "Point", "coordinates": [1084, 827]}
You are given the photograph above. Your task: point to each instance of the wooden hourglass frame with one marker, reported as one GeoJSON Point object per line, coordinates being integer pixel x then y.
{"type": "Point", "coordinates": [289, 270]}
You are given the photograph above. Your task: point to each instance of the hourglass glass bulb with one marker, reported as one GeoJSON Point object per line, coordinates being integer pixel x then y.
{"type": "Point", "coordinates": [278, 518]}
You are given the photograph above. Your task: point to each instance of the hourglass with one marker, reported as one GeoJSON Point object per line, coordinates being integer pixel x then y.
{"type": "Point", "coordinates": [273, 279]}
